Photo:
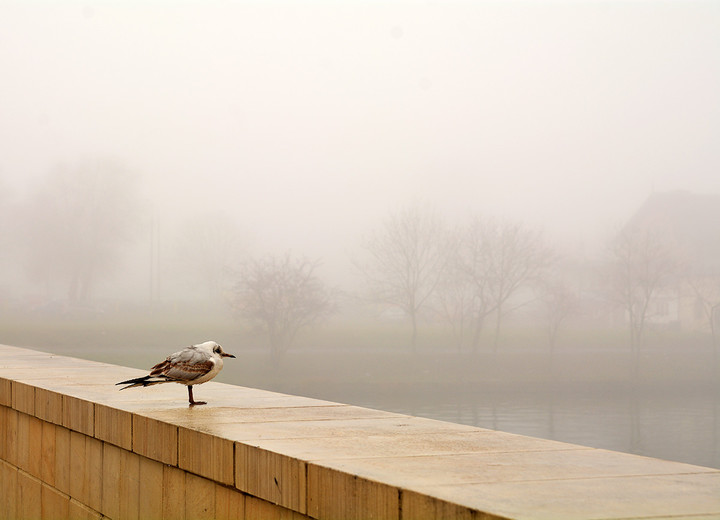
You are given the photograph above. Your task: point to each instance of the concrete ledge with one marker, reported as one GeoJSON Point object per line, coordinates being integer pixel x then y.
{"type": "Point", "coordinates": [71, 443]}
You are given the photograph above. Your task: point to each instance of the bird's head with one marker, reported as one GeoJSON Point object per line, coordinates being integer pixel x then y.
{"type": "Point", "coordinates": [217, 349]}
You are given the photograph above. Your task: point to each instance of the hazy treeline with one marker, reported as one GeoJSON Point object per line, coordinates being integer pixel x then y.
{"type": "Point", "coordinates": [87, 223]}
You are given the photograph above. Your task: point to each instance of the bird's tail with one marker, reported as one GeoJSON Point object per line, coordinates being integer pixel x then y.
{"type": "Point", "coordinates": [145, 381]}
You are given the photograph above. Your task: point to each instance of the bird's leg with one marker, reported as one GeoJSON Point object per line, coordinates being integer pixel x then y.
{"type": "Point", "coordinates": [193, 402]}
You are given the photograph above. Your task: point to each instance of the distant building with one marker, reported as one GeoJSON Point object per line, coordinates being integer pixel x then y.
{"type": "Point", "coordinates": [689, 224]}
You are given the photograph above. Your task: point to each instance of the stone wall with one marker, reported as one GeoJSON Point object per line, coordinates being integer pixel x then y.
{"type": "Point", "coordinates": [73, 446]}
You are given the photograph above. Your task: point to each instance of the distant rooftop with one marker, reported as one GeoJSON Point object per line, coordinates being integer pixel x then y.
{"type": "Point", "coordinates": [689, 220]}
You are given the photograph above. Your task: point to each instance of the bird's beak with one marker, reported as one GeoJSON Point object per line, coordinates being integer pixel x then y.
{"type": "Point", "coordinates": [225, 354]}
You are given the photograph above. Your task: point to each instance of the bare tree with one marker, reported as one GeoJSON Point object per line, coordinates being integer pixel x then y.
{"type": "Point", "coordinates": [457, 302]}
{"type": "Point", "coordinates": [518, 258]}
{"type": "Point", "coordinates": [497, 258]}
{"type": "Point", "coordinates": [407, 257]}
{"type": "Point", "coordinates": [558, 302]}
{"type": "Point", "coordinates": [77, 222]}
{"type": "Point", "coordinates": [641, 265]}
{"type": "Point", "coordinates": [475, 265]}
{"type": "Point", "coordinates": [281, 296]}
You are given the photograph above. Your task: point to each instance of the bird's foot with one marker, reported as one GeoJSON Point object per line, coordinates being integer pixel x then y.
{"type": "Point", "coordinates": [193, 403]}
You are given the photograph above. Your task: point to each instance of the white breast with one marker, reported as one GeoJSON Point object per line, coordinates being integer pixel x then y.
{"type": "Point", "coordinates": [218, 364]}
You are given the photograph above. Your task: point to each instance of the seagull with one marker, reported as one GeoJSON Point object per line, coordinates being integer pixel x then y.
{"type": "Point", "coordinates": [190, 366]}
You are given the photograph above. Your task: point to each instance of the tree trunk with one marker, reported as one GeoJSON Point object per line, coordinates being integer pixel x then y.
{"type": "Point", "coordinates": [413, 339]}
{"type": "Point", "coordinates": [497, 330]}
{"type": "Point", "coordinates": [476, 333]}
{"type": "Point", "coordinates": [713, 333]}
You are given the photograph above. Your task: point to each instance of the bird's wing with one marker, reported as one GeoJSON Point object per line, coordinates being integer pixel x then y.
{"type": "Point", "coordinates": [186, 365]}
{"type": "Point", "coordinates": [187, 371]}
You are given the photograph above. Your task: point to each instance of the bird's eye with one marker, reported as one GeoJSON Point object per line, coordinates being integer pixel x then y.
{"type": "Point", "coordinates": [217, 350]}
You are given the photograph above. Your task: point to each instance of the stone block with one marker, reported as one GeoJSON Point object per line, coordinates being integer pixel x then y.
{"type": "Point", "coordinates": [93, 473]}
{"type": "Point", "coordinates": [229, 503]}
{"type": "Point", "coordinates": [129, 488]}
{"type": "Point", "coordinates": [78, 478]}
{"type": "Point", "coordinates": [29, 444]}
{"type": "Point", "coordinates": [54, 505]}
{"type": "Point", "coordinates": [173, 501]}
{"type": "Point", "coordinates": [62, 459]}
{"type": "Point", "coordinates": [113, 426]}
{"type": "Point", "coordinates": [151, 489]}
{"type": "Point", "coordinates": [86, 469]}
{"type": "Point", "coordinates": [23, 397]}
{"type": "Point", "coordinates": [271, 476]}
{"type": "Point", "coordinates": [111, 476]}
{"type": "Point", "coordinates": [5, 392]}
{"type": "Point", "coordinates": [199, 498]}
{"type": "Point", "coordinates": [154, 439]}
{"type": "Point", "coordinates": [337, 494]}
{"type": "Point", "coordinates": [5, 413]}
{"type": "Point", "coordinates": [48, 405]}
{"type": "Point", "coordinates": [206, 455]}
{"type": "Point", "coordinates": [8, 490]}
{"type": "Point", "coordinates": [29, 496]}
{"type": "Point", "coordinates": [47, 456]}
{"type": "Point", "coordinates": [79, 415]}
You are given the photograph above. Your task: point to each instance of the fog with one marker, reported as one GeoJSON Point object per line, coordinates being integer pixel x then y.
{"type": "Point", "coordinates": [217, 133]}
{"type": "Point", "coordinates": [305, 121]}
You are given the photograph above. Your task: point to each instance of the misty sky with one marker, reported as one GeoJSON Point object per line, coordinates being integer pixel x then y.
{"type": "Point", "coordinates": [310, 121]}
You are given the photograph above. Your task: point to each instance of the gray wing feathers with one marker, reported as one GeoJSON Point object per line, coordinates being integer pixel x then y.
{"type": "Point", "coordinates": [185, 365]}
